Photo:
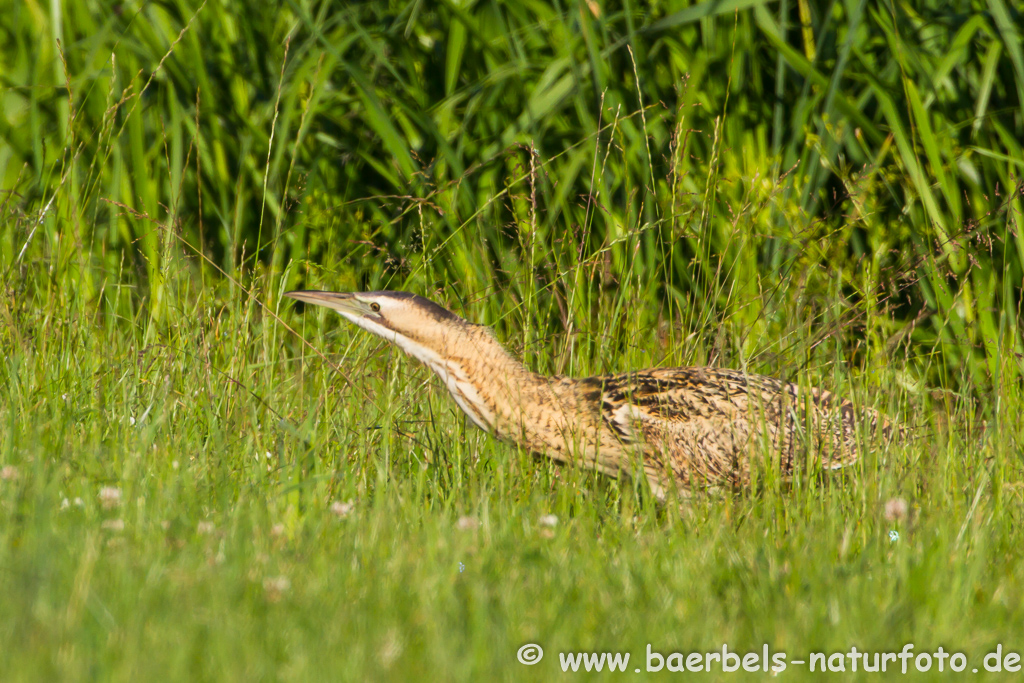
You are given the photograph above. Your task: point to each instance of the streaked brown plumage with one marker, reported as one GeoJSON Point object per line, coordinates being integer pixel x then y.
{"type": "Point", "coordinates": [683, 427]}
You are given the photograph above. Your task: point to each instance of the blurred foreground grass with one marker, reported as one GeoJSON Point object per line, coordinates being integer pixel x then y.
{"type": "Point", "coordinates": [190, 490]}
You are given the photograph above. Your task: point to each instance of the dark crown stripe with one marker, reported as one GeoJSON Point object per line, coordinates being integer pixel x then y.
{"type": "Point", "coordinates": [426, 305]}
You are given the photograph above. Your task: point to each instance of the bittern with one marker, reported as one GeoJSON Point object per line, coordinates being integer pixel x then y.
{"type": "Point", "coordinates": [683, 428]}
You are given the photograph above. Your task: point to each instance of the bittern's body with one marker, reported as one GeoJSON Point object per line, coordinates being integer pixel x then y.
{"type": "Point", "coordinates": [683, 427]}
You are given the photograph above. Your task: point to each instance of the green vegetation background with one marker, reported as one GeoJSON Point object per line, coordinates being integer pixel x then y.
{"type": "Point", "coordinates": [198, 481]}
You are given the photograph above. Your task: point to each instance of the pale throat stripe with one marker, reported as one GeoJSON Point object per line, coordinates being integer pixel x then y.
{"type": "Point", "coordinates": [464, 393]}
{"type": "Point", "coordinates": [453, 376]}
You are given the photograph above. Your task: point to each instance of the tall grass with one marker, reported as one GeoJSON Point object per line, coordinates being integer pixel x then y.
{"type": "Point", "coordinates": [524, 149]}
{"type": "Point", "coordinates": [827, 193]}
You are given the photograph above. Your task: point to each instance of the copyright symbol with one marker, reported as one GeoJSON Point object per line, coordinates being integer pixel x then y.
{"type": "Point", "coordinates": [530, 654]}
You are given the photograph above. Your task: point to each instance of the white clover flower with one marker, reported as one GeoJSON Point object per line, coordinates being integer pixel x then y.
{"type": "Point", "coordinates": [276, 586]}
{"type": "Point", "coordinates": [342, 510]}
{"type": "Point", "coordinates": [548, 520]}
{"type": "Point", "coordinates": [110, 497]}
{"type": "Point", "coordinates": [895, 509]}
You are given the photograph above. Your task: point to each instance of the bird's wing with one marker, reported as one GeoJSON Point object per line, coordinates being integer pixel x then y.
{"type": "Point", "coordinates": [701, 412]}
{"type": "Point", "coordinates": [683, 395]}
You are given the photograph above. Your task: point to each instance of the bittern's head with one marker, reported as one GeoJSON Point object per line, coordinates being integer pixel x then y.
{"type": "Point", "coordinates": [416, 324]}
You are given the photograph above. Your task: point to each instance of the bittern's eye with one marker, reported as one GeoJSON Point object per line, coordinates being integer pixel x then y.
{"type": "Point", "coordinates": [375, 307]}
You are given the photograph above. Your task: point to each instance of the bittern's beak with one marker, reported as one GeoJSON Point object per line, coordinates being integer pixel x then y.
{"type": "Point", "coordinates": [343, 302]}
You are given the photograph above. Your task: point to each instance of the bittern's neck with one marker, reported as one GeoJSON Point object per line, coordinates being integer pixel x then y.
{"type": "Point", "coordinates": [487, 383]}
